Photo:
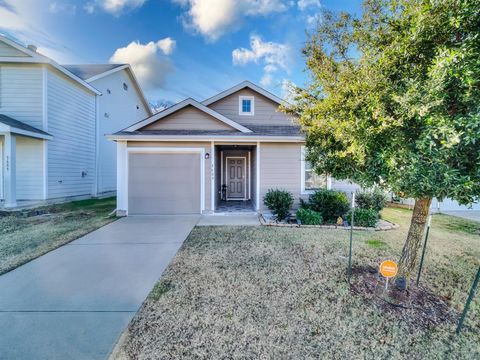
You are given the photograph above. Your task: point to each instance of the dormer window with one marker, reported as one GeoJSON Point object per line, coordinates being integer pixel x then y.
{"type": "Point", "coordinates": [246, 105]}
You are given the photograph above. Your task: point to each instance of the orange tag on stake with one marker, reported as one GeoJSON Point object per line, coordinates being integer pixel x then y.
{"type": "Point", "coordinates": [388, 268]}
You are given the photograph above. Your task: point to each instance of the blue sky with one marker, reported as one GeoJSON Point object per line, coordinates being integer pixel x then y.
{"type": "Point", "coordinates": [178, 48]}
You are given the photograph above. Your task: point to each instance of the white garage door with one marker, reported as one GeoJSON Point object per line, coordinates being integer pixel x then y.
{"type": "Point", "coordinates": [164, 183]}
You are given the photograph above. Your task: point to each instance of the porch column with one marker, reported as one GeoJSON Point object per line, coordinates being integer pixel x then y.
{"type": "Point", "coordinates": [122, 178]}
{"type": "Point", "coordinates": [212, 173]}
{"type": "Point", "coordinates": [257, 173]}
{"type": "Point", "coordinates": [10, 166]}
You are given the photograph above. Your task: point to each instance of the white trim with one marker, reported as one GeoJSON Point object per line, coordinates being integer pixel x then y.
{"type": "Point", "coordinates": [257, 173]}
{"type": "Point", "coordinates": [45, 128]}
{"type": "Point", "coordinates": [129, 69]}
{"type": "Point", "coordinates": [249, 176]}
{"type": "Point", "coordinates": [97, 146]}
{"type": "Point", "coordinates": [155, 149]}
{"type": "Point", "coordinates": [252, 105]}
{"type": "Point", "coordinates": [304, 191]}
{"type": "Point", "coordinates": [239, 87]}
{"type": "Point", "coordinates": [1, 169]}
{"type": "Point", "coordinates": [13, 130]}
{"type": "Point", "coordinates": [221, 175]}
{"type": "Point", "coordinates": [217, 138]}
{"type": "Point", "coordinates": [37, 58]}
{"type": "Point", "coordinates": [244, 176]}
{"type": "Point", "coordinates": [212, 175]}
{"type": "Point", "coordinates": [122, 177]}
{"type": "Point", "coordinates": [106, 73]}
{"type": "Point", "coordinates": [181, 105]}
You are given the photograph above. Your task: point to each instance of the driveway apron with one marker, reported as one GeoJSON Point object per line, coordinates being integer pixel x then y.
{"type": "Point", "coordinates": [74, 302]}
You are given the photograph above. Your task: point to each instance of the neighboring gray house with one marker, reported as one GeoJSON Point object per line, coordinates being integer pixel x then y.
{"type": "Point", "coordinates": [52, 124]}
{"type": "Point", "coordinates": [179, 160]}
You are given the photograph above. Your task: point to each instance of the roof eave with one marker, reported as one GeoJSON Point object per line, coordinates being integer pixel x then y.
{"type": "Point", "coordinates": [240, 138]}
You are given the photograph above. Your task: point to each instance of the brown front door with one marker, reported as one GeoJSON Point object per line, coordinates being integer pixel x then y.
{"type": "Point", "coordinates": [236, 178]}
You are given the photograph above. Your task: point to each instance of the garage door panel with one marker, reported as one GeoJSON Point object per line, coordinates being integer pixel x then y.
{"type": "Point", "coordinates": [164, 183]}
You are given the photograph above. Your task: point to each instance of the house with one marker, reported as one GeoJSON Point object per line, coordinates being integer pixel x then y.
{"type": "Point", "coordinates": [52, 124]}
{"type": "Point", "coordinates": [210, 156]}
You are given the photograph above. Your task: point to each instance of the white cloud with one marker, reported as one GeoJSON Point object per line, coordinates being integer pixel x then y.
{"type": "Point", "coordinates": [57, 7]}
{"type": "Point", "coordinates": [167, 45]}
{"type": "Point", "coordinates": [213, 18]}
{"type": "Point", "coordinates": [266, 79]}
{"type": "Point", "coordinates": [304, 4]}
{"type": "Point", "coordinates": [114, 7]}
{"type": "Point", "coordinates": [147, 61]}
{"type": "Point", "coordinates": [273, 56]}
{"type": "Point", "coordinates": [27, 22]}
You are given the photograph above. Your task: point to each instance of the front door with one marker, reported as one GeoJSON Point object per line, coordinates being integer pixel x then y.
{"type": "Point", "coordinates": [236, 178]}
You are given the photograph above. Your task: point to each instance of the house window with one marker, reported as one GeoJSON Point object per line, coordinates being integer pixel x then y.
{"type": "Point", "coordinates": [246, 105]}
{"type": "Point", "coordinates": [311, 181]}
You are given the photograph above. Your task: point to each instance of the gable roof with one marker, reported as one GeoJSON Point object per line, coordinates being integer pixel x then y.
{"type": "Point", "coordinates": [34, 57]}
{"type": "Point", "coordinates": [88, 71]}
{"type": "Point", "coordinates": [18, 127]}
{"type": "Point", "coordinates": [92, 72]}
{"type": "Point", "coordinates": [238, 87]}
{"type": "Point", "coordinates": [181, 105]}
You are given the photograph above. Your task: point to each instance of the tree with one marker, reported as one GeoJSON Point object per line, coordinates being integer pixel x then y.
{"type": "Point", "coordinates": [393, 100]}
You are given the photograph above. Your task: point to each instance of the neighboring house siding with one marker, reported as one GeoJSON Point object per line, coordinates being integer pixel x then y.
{"type": "Point", "coordinates": [205, 145]}
{"type": "Point", "coordinates": [71, 122]}
{"type": "Point", "coordinates": [21, 89]}
{"type": "Point", "coordinates": [280, 166]}
{"type": "Point", "coordinates": [121, 109]}
{"type": "Point", "coordinates": [29, 168]}
{"type": "Point", "coordinates": [346, 186]}
{"type": "Point", "coordinates": [265, 110]}
{"type": "Point", "coordinates": [9, 51]}
{"type": "Point", "coordinates": [189, 118]}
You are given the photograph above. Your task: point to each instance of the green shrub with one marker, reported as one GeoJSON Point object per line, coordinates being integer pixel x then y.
{"type": "Point", "coordinates": [309, 217]}
{"type": "Point", "coordinates": [363, 217]}
{"type": "Point", "coordinates": [279, 202]}
{"type": "Point", "coordinates": [329, 203]}
{"type": "Point", "coordinates": [375, 200]}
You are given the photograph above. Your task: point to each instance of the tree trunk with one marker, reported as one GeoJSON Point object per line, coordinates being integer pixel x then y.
{"type": "Point", "coordinates": [414, 238]}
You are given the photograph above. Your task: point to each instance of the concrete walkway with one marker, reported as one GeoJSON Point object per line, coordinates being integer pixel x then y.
{"type": "Point", "coordinates": [74, 302]}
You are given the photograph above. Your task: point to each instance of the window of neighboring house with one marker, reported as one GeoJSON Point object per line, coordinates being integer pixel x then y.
{"type": "Point", "coordinates": [246, 105]}
{"type": "Point", "coordinates": [311, 181]}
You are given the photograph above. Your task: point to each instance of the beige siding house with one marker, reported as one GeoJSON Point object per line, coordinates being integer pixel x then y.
{"type": "Point", "coordinates": [219, 155]}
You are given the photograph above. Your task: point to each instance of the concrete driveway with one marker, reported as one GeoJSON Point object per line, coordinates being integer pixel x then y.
{"type": "Point", "coordinates": [74, 302]}
{"type": "Point", "coordinates": [468, 214]}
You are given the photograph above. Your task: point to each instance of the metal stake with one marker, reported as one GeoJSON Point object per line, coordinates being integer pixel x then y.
{"type": "Point", "coordinates": [351, 240]}
{"type": "Point", "coordinates": [429, 223]}
{"type": "Point", "coordinates": [469, 300]}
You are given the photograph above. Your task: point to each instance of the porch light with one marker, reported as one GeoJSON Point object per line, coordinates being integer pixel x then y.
{"type": "Point", "coordinates": [207, 156]}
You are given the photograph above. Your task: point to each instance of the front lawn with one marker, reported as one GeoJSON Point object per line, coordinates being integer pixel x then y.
{"type": "Point", "coordinates": [25, 236]}
{"type": "Point", "coordinates": [269, 292]}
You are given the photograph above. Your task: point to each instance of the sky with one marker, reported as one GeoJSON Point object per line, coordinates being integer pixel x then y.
{"type": "Point", "coordinates": [177, 48]}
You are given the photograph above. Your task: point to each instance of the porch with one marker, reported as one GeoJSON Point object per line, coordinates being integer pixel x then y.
{"type": "Point", "coordinates": [22, 163]}
{"type": "Point", "coordinates": [236, 178]}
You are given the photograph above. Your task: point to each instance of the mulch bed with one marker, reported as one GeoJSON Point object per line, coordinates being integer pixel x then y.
{"type": "Point", "coordinates": [417, 305]}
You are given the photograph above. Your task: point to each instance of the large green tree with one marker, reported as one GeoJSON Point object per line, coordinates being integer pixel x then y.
{"type": "Point", "coordinates": [393, 100]}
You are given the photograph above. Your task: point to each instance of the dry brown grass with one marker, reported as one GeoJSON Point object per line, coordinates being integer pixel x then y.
{"type": "Point", "coordinates": [244, 292]}
{"type": "Point", "coordinates": [24, 237]}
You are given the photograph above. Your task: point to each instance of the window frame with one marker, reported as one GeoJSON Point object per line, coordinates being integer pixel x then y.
{"type": "Point", "coordinates": [252, 105]}
{"type": "Point", "coordinates": [305, 191]}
